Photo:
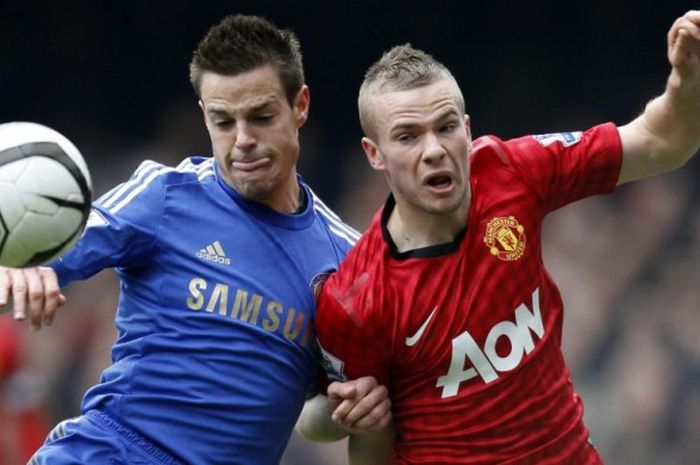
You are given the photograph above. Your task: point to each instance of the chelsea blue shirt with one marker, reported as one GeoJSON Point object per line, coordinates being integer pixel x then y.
{"type": "Point", "coordinates": [215, 351]}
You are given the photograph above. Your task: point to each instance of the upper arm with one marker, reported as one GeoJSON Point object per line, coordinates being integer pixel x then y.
{"type": "Point", "coordinates": [564, 167]}
{"type": "Point", "coordinates": [122, 226]}
{"type": "Point", "coordinates": [347, 330]}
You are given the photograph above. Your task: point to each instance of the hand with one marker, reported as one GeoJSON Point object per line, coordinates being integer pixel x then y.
{"type": "Point", "coordinates": [360, 406]}
{"type": "Point", "coordinates": [684, 47]}
{"type": "Point", "coordinates": [33, 288]}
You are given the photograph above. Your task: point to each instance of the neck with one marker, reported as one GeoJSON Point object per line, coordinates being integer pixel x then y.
{"type": "Point", "coordinates": [411, 228]}
{"type": "Point", "coordinates": [288, 197]}
{"type": "Point", "coordinates": [293, 202]}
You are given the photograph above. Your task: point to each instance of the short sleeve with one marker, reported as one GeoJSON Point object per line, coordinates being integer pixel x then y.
{"type": "Point", "coordinates": [568, 166]}
{"type": "Point", "coordinates": [350, 340]}
{"type": "Point", "coordinates": [122, 226]}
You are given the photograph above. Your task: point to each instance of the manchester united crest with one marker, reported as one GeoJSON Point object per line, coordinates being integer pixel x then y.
{"type": "Point", "coordinates": [505, 238]}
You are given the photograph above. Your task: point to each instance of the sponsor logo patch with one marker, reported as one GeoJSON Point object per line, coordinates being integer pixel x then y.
{"type": "Point", "coordinates": [333, 366]}
{"type": "Point", "coordinates": [566, 138]}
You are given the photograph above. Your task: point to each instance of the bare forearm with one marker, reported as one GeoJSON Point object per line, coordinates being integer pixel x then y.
{"type": "Point", "coordinates": [315, 422]}
{"type": "Point", "coordinates": [359, 408]}
{"type": "Point", "coordinates": [667, 134]}
{"type": "Point", "coordinates": [372, 448]}
{"type": "Point", "coordinates": [673, 119]}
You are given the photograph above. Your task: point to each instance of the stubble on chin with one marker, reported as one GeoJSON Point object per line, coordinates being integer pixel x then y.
{"type": "Point", "coordinates": [255, 190]}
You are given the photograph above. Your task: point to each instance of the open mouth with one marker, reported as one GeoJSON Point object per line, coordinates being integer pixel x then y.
{"type": "Point", "coordinates": [439, 181]}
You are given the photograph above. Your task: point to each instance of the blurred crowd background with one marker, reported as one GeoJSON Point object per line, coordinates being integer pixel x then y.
{"type": "Point", "coordinates": [112, 76]}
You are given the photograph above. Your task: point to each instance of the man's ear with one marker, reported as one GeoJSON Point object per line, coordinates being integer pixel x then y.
{"type": "Point", "coordinates": [204, 113]}
{"type": "Point", "coordinates": [374, 156]}
{"type": "Point", "coordinates": [468, 127]}
{"type": "Point", "coordinates": [302, 103]}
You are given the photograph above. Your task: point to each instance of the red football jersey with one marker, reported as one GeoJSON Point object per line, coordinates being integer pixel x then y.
{"type": "Point", "coordinates": [467, 335]}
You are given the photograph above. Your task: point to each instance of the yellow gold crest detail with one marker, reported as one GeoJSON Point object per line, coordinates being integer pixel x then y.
{"type": "Point", "coordinates": [505, 238]}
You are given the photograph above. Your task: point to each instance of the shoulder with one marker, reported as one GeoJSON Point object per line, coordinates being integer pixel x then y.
{"type": "Point", "coordinates": [492, 149]}
{"type": "Point", "coordinates": [353, 284]}
{"type": "Point", "coordinates": [353, 300]}
{"type": "Point", "coordinates": [149, 181]}
{"type": "Point", "coordinates": [342, 233]}
{"type": "Point", "coordinates": [491, 153]}
{"type": "Point", "coordinates": [190, 170]}
{"type": "Point", "coordinates": [367, 257]}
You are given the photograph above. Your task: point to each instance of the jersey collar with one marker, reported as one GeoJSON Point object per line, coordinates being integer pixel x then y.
{"type": "Point", "coordinates": [431, 251]}
{"type": "Point", "coordinates": [298, 220]}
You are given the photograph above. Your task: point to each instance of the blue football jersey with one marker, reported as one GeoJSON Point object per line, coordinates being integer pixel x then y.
{"type": "Point", "coordinates": [214, 354]}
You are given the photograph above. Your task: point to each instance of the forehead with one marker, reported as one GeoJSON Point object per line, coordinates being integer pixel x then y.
{"type": "Point", "coordinates": [420, 104]}
{"type": "Point", "coordinates": [242, 91]}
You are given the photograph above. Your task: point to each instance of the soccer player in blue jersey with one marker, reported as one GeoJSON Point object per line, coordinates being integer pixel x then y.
{"type": "Point", "coordinates": [218, 259]}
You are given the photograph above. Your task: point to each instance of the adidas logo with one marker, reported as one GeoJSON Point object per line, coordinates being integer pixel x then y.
{"type": "Point", "coordinates": [214, 253]}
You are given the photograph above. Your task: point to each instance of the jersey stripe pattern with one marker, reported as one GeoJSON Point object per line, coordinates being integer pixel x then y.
{"type": "Point", "coordinates": [467, 335]}
{"type": "Point", "coordinates": [215, 352]}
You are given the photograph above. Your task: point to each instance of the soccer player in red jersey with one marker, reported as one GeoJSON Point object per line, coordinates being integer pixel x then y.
{"type": "Point", "coordinates": [446, 299]}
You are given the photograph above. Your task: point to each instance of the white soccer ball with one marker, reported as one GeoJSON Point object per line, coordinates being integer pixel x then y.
{"type": "Point", "coordinates": [45, 194]}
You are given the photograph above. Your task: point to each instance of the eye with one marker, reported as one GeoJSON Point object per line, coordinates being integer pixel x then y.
{"type": "Point", "coordinates": [223, 124]}
{"type": "Point", "coordinates": [406, 137]}
{"type": "Point", "coordinates": [264, 118]}
{"type": "Point", "coordinates": [448, 127]}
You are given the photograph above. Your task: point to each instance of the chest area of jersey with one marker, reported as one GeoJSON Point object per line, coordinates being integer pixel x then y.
{"type": "Point", "coordinates": [230, 270]}
{"type": "Point", "coordinates": [468, 320]}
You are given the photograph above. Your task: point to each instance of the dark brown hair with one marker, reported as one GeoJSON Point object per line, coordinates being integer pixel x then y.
{"type": "Point", "coordinates": [241, 43]}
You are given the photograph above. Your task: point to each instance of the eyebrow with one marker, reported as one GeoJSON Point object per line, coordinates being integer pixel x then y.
{"type": "Point", "coordinates": [262, 105]}
{"type": "Point", "coordinates": [216, 110]}
{"type": "Point", "coordinates": [444, 115]}
{"type": "Point", "coordinates": [447, 113]}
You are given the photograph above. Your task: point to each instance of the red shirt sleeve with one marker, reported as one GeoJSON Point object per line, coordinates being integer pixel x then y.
{"type": "Point", "coordinates": [565, 167]}
{"type": "Point", "coordinates": [348, 328]}
{"type": "Point", "coordinates": [10, 347]}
